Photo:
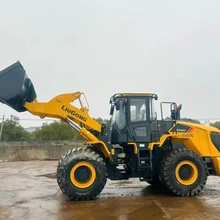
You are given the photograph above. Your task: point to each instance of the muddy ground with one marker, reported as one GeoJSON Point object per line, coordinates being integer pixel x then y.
{"type": "Point", "coordinates": [28, 190]}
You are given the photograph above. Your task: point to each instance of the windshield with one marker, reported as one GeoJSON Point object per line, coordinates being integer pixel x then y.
{"type": "Point", "coordinates": [138, 109]}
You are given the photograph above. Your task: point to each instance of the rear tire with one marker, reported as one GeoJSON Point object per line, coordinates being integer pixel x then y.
{"type": "Point", "coordinates": [81, 174]}
{"type": "Point", "coordinates": [183, 172]}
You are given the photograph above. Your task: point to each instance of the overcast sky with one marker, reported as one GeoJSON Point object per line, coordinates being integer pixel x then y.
{"type": "Point", "coordinates": [171, 48]}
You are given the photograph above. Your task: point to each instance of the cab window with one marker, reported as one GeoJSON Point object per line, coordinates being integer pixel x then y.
{"type": "Point", "coordinates": [138, 110]}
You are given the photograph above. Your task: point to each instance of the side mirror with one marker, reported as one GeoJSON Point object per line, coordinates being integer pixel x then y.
{"type": "Point", "coordinates": [111, 109]}
{"type": "Point", "coordinates": [155, 96]}
{"type": "Point", "coordinates": [175, 111]}
{"type": "Point", "coordinates": [179, 107]}
{"type": "Point", "coordinates": [117, 104]}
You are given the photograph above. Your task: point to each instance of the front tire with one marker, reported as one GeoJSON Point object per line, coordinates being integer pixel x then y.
{"type": "Point", "coordinates": [183, 172]}
{"type": "Point", "coordinates": [81, 174]}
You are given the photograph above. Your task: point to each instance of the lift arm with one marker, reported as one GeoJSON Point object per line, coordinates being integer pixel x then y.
{"type": "Point", "coordinates": [78, 118]}
{"type": "Point", "coordinates": [60, 107]}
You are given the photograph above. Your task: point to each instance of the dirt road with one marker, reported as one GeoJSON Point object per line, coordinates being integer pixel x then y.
{"type": "Point", "coordinates": [29, 190]}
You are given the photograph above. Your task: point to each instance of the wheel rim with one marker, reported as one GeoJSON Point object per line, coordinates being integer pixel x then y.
{"type": "Point", "coordinates": [83, 174]}
{"type": "Point", "coordinates": [186, 172]}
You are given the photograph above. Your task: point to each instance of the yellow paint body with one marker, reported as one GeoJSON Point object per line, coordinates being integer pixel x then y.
{"type": "Point", "coordinates": [197, 140]}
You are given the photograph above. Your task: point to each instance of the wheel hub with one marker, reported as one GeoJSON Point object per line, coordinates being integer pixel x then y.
{"type": "Point", "coordinates": [83, 174]}
{"type": "Point", "coordinates": [186, 172]}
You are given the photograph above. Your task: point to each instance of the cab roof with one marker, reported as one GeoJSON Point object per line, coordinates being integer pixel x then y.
{"type": "Point", "coordinates": [115, 96]}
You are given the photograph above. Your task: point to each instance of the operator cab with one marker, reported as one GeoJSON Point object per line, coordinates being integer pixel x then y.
{"type": "Point", "coordinates": [133, 118]}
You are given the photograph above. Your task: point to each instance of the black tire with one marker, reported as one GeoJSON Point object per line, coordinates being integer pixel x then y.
{"type": "Point", "coordinates": [174, 179]}
{"type": "Point", "coordinates": [65, 177]}
{"type": "Point", "coordinates": [96, 150]}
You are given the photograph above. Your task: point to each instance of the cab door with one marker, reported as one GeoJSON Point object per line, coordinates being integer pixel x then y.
{"type": "Point", "coordinates": [138, 119]}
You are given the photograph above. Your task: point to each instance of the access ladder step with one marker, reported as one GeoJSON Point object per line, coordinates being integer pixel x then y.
{"type": "Point", "coordinates": [145, 164]}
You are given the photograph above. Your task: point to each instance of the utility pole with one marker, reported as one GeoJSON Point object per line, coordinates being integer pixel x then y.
{"type": "Point", "coordinates": [2, 127]}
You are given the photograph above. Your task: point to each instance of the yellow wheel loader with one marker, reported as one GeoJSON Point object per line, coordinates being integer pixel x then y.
{"type": "Point", "coordinates": [167, 152]}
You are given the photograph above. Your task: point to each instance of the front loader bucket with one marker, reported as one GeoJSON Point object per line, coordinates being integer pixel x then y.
{"type": "Point", "coordinates": [15, 87]}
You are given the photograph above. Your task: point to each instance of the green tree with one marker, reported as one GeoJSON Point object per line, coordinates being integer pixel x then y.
{"type": "Point", "coordinates": [103, 121]}
{"type": "Point", "coordinates": [61, 131]}
{"type": "Point", "coordinates": [215, 124]}
{"type": "Point", "coordinates": [191, 120]}
{"type": "Point", "coordinates": [56, 131]}
{"type": "Point", "coordinates": [14, 132]}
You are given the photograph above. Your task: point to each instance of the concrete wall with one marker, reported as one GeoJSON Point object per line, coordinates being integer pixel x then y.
{"type": "Point", "coordinates": [35, 150]}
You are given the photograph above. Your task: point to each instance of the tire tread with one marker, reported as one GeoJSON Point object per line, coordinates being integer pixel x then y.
{"type": "Point", "coordinates": [165, 169]}
{"type": "Point", "coordinates": [81, 154]}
